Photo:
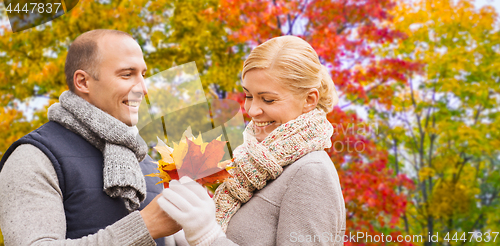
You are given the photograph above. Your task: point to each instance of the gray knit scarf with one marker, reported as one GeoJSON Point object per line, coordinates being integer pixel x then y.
{"type": "Point", "coordinates": [121, 146]}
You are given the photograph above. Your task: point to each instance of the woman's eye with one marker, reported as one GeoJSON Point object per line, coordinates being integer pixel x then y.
{"type": "Point", "coordinates": [248, 97]}
{"type": "Point", "coordinates": [268, 101]}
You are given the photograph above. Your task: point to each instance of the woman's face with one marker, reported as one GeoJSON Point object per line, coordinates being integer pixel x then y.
{"type": "Point", "coordinates": [269, 103]}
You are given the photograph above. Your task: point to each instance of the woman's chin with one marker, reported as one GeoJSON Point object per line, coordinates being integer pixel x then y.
{"type": "Point", "coordinates": [263, 132]}
{"type": "Point", "coordinates": [261, 138]}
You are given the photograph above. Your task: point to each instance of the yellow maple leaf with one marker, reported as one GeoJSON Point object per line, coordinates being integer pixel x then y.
{"type": "Point", "coordinates": [167, 161]}
{"type": "Point", "coordinates": [181, 149]}
{"type": "Point", "coordinates": [166, 153]}
{"type": "Point", "coordinates": [199, 141]}
{"type": "Point", "coordinates": [165, 164]}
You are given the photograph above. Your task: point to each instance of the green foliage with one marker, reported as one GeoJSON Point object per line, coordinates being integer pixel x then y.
{"type": "Point", "coordinates": [443, 124]}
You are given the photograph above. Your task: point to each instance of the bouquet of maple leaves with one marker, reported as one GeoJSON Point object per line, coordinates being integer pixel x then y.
{"type": "Point", "coordinates": [193, 158]}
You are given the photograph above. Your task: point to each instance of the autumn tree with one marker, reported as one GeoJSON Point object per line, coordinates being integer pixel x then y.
{"type": "Point", "coordinates": [441, 127]}
{"type": "Point", "coordinates": [344, 34]}
{"type": "Point", "coordinates": [170, 33]}
{"type": "Point", "coordinates": [376, 55]}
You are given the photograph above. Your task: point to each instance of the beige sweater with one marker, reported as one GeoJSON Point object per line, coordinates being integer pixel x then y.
{"type": "Point", "coordinates": [303, 206]}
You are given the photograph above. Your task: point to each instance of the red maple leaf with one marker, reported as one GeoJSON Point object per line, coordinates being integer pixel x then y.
{"type": "Point", "coordinates": [202, 167]}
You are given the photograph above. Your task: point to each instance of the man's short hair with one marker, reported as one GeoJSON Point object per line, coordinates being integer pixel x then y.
{"type": "Point", "coordinates": [84, 54]}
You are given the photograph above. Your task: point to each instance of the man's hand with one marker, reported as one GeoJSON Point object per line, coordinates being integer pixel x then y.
{"type": "Point", "coordinates": [159, 223]}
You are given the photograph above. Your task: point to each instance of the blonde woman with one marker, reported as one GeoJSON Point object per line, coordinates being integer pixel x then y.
{"type": "Point", "coordinates": [284, 188]}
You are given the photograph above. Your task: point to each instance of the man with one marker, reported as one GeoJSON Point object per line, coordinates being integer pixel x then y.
{"type": "Point", "coordinates": [79, 178]}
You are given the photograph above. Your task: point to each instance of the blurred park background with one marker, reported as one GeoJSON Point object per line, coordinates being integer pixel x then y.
{"type": "Point", "coordinates": [417, 139]}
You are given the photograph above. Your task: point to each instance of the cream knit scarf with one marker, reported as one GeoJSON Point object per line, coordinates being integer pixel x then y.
{"type": "Point", "coordinates": [255, 163]}
{"type": "Point", "coordinates": [121, 146]}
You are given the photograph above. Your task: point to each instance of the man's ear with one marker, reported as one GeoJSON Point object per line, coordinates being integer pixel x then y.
{"type": "Point", "coordinates": [312, 98]}
{"type": "Point", "coordinates": [81, 82]}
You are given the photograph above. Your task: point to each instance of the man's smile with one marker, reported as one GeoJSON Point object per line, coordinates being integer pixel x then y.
{"type": "Point", "coordinates": [132, 103]}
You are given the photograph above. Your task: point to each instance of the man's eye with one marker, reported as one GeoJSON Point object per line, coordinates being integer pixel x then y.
{"type": "Point", "coordinates": [127, 75]}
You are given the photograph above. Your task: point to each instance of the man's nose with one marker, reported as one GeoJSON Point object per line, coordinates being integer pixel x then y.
{"type": "Point", "coordinates": [140, 87]}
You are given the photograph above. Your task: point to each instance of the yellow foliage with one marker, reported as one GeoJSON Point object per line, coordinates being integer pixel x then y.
{"type": "Point", "coordinates": [33, 61]}
{"type": "Point", "coordinates": [449, 198]}
{"type": "Point", "coordinates": [444, 161]}
{"type": "Point", "coordinates": [425, 173]}
{"type": "Point", "coordinates": [451, 136]}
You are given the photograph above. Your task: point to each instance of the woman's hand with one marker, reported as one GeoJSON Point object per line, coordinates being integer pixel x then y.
{"type": "Point", "coordinates": [188, 203]}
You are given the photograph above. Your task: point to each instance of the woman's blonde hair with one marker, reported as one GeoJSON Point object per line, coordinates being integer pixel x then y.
{"type": "Point", "coordinates": [294, 63]}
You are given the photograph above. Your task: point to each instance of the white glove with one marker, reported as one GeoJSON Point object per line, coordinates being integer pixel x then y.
{"type": "Point", "coordinates": [188, 203]}
{"type": "Point", "coordinates": [180, 239]}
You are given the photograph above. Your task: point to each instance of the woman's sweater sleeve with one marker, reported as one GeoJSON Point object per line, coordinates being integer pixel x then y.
{"type": "Point", "coordinates": [32, 211]}
{"type": "Point", "coordinates": [312, 210]}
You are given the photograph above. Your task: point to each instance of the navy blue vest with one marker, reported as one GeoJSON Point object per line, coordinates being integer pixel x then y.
{"type": "Point", "coordinates": [79, 167]}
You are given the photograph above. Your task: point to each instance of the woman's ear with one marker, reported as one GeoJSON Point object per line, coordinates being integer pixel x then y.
{"type": "Point", "coordinates": [311, 100]}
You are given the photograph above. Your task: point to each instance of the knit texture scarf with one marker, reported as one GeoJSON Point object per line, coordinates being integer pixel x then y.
{"type": "Point", "coordinates": [255, 163]}
{"type": "Point", "coordinates": [121, 146]}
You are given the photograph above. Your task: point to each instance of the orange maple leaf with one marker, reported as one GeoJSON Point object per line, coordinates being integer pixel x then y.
{"type": "Point", "coordinates": [195, 159]}
{"type": "Point", "coordinates": [203, 165]}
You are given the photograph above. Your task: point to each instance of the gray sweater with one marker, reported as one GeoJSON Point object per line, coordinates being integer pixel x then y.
{"type": "Point", "coordinates": [32, 212]}
{"type": "Point", "coordinates": [303, 206]}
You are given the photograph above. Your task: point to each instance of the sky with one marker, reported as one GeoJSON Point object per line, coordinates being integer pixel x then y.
{"type": "Point", "coordinates": [494, 3]}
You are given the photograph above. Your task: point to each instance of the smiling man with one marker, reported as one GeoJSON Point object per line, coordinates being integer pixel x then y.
{"type": "Point", "coordinates": [79, 178]}
{"type": "Point", "coordinates": [121, 67]}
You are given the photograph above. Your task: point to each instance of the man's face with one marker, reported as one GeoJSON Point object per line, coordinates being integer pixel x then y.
{"type": "Point", "coordinates": [121, 87]}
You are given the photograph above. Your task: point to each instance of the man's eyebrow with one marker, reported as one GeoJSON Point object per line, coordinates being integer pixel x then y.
{"type": "Point", "coordinates": [131, 69]}
{"type": "Point", "coordinates": [126, 69]}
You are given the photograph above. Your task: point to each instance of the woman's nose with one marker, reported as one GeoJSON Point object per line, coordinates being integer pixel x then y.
{"type": "Point", "coordinates": [254, 110]}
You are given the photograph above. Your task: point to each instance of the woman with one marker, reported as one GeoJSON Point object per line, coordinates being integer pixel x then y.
{"type": "Point", "coordinates": [284, 188]}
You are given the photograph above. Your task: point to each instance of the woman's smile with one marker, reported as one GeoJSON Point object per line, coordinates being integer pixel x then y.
{"type": "Point", "coordinates": [269, 102]}
{"type": "Point", "coordinates": [263, 124]}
